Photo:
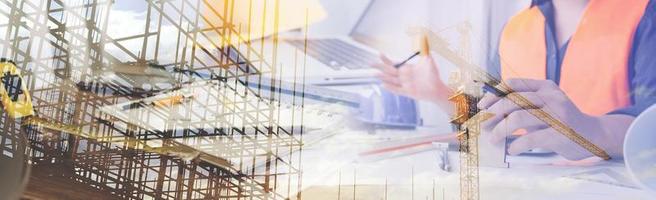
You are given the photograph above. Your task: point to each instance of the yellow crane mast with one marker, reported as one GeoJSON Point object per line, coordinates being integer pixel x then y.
{"type": "Point", "coordinates": [468, 146]}
{"type": "Point", "coordinates": [467, 119]}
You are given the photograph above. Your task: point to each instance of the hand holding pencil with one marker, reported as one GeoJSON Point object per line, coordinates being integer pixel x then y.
{"type": "Point", "coordinates": [420, 80]}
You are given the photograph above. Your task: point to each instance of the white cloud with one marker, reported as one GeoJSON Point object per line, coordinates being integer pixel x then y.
{"type": "Point", "coordinates": [647, 154]}
{"type": "Point", "coordinates": [644, 164]}
{"type": "Point", "coordinates": [648, 173]}
{"type": "Point", "coordinates": [124, 23]}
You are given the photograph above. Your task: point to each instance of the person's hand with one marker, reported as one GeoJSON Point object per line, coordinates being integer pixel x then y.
{"type": "Point", "coordinates": [419, 81]}
{"type": "Point", "coordinates": [510, 118]}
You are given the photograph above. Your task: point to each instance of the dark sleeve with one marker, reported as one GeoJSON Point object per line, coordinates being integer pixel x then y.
{"type": "Point", "coordinates": [642, 65]}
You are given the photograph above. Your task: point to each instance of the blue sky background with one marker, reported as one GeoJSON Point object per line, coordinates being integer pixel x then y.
{"type": "Point", "coordinates": [132, 5]}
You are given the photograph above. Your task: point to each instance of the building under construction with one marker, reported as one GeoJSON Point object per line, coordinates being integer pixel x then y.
{"type": "Point", "coordinates": [64, 48]}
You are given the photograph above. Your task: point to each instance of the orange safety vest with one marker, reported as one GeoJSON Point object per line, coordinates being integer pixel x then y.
{"type": "Point", "coordinates": [594, 72]}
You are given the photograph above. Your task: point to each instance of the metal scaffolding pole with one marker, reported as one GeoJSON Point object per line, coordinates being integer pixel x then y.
{"type": "Point", "coordinates": [60, 45]}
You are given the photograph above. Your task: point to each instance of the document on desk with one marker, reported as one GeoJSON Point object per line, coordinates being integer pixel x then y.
{"type": "Point", "coordinates": [544, 177]}
{"type": "Point", "coordinates": [207, 105]}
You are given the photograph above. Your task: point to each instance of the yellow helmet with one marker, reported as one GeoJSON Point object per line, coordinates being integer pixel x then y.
{"type": "Point", "coordinates": [15, 97]}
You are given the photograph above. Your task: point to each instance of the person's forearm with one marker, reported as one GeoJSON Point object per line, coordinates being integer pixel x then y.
{"type": "Point", "coordinates": [615, 127]}
{"type": "Point", "coordinates": [441, 98]}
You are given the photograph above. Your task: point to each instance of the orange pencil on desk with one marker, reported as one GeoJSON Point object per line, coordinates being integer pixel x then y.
{"type": "Point", "coordinates": [172, 100]}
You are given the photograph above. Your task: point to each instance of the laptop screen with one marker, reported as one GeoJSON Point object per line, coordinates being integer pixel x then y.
{"type": "Point", "coordinates": [384, 24]}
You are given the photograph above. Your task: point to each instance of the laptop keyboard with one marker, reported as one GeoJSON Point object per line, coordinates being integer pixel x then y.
{"type": "Point", "coordinates": [336, 53]}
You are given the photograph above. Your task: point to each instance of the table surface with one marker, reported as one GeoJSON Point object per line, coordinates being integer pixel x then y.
{"type": "Point", "coordinates": [333, 168]}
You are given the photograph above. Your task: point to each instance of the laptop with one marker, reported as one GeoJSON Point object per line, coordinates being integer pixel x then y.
{"type": "Point", "coordinates": [340, 59]}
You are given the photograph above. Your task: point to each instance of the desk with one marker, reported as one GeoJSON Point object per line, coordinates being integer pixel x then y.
{"type": "Point", "coordinates": [331, 167]}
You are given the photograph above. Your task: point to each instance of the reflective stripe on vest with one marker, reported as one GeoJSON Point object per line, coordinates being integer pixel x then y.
{"type": "Point", "coordinates": [594, 72]}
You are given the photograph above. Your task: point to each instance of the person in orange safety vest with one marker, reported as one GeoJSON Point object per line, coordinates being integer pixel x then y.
{"type": "Point", "coordinates": [588, 63]}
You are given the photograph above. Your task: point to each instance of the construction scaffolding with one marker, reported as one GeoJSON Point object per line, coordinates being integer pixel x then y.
{"type": "Point", "coordinates": [63, 48]}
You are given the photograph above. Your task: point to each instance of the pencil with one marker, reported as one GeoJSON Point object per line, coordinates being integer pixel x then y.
{"type": "Point", "coordinates": [406, 60]}
{"type": "Point", "coordinates": [424, 50]}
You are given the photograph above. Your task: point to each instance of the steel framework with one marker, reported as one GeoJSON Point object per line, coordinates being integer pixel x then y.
{"type": "Point", "coordinates": [59, 44]}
